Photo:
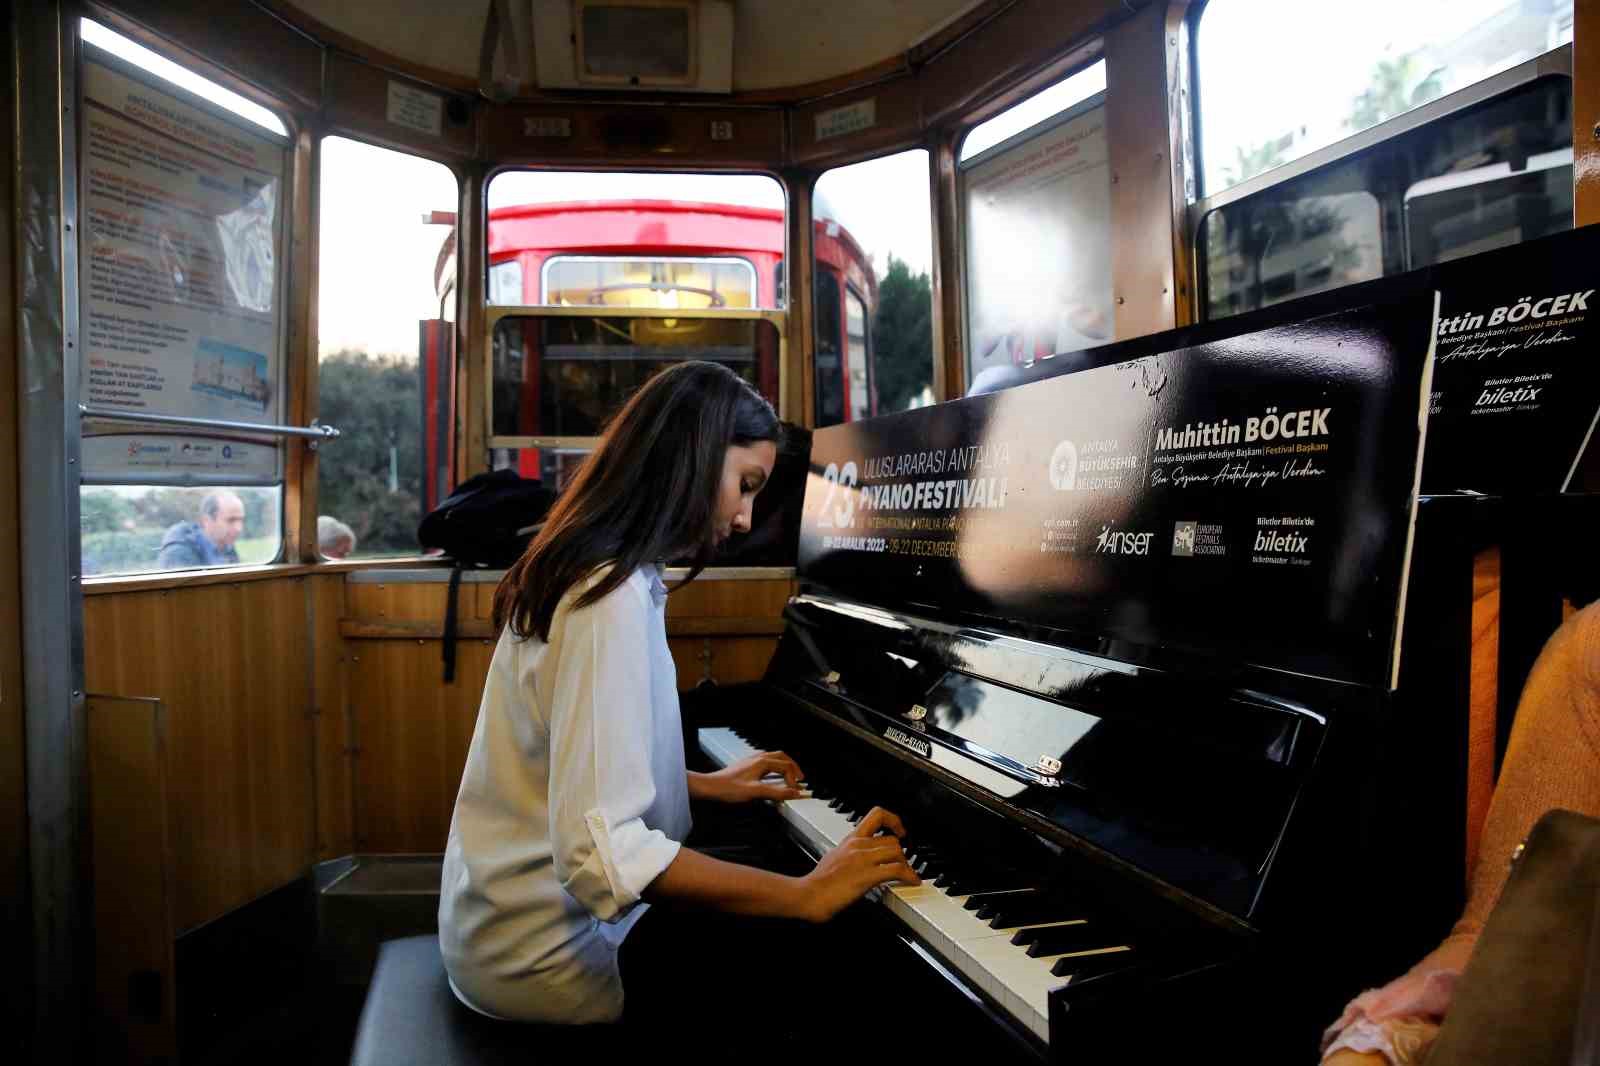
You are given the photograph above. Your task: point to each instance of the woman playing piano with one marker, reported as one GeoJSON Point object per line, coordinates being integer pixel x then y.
{"type": "Point", "coordinates": [575, 798]}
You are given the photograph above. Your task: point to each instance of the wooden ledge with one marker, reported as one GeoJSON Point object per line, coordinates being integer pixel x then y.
{"type": "Point", "coordinates": [225, 575]}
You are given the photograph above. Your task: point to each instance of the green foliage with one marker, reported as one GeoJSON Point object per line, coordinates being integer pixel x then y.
{"type": "Point", "coordinates": [122, 533]}
{"type": "Point", "coordinates": [103, 512]}
{"type": "Point", "coordinates": [119, 551]}
{"type": "Point", "coordinates": [902, 336]}
{"type": "Point", "coordinates": [1248, 162]}
{"type": "Point", "coordinates": [375, 401]}
{"type": "Point", "coordinates": [1396, 87]}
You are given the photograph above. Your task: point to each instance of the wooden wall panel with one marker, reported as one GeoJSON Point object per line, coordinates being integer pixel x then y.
{"type": "Point", "coordinates": [238, 44]}
{"type": "Point", "coordinates": [897, 123]}
{"type": "Point", "coordinates": [230, 664]}
{"type": "Point", "coordinates": [335, 778]}
{"type": "Point", "coordinates": [724, 660]}
{"type": "Point", "coordinates": [1483, 697]}
{"type": "Point", "coordinates": [1142, 56]}
{"type": "Point", "coordinates": [626, 134]}
{"type": "Point", "coordinates": [131, 860]}
{"type": "Point", "coordinates": [1029, 36]}
{"type": "Point", "coordinates": [1586, 111]}
{"type": "Point", "coordinates": [412, 733]}
{"type": "Point", "coordinates": [358, 100]}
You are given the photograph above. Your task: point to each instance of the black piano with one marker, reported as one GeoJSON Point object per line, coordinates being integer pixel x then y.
{"type": "Point", "coordinates": [1122, 648]}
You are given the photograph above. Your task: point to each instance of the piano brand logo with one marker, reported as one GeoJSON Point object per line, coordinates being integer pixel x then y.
{"type": "Point", "coordinates": [1119, 542]}
{"type": "Point", "coordinates": [906, 740]}
{"type": "Point", "coordinates": [1064, 467]}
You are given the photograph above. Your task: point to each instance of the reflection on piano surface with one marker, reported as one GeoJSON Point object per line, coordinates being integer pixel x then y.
{"type": "Point", "coordinates": [1159, 792]}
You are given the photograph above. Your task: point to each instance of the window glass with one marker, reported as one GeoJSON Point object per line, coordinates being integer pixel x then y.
{"type": "Point", "coordinates": [1038, 237]}
{"type": "Point", "coordinates": [552, 466]}
{"type": "Point", "coordinates": [564, 375]}
{"type": "Point", "coordinates": [829, 361]}
{"type": "Point", "coordinates": [689, 284]}
{"type": "Point", "coordinates": [1043, 105]}
{"type": "Point", "coordinates": [386, 351]}
{"type": "Point", "coordinates": [636, 239]}
{"type": "Point", "coordinates": [505, 283]}
{"type": "Point", "coordinates": [182, 313]}
{"type": "Point", "coordinates": [129, 529]}
{"type": "Point", "coordinates": [858, 371]}
{"type": "Point", "coordinates": [1483, 178]}
{"type": "Point", "coordinates": [874, 245]}
{"type": "Point", "coordinates": [1372, 61]}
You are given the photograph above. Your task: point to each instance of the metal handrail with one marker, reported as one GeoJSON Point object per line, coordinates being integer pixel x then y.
{"type": "Point", "coordinates": [316, 431]}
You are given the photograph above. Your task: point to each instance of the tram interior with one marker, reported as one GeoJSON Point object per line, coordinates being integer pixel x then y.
{"type": "Point", "coordinates": [284, 273]}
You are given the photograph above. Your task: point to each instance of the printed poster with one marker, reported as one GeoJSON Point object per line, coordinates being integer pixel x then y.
{"type": "Point", "coordinates": [182, 225]}
{"type": "Point", "coordinates": [1039, 244]}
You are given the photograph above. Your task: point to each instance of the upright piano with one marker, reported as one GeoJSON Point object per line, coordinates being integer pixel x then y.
{"type": "Point", "coordinates": [1122, 649]}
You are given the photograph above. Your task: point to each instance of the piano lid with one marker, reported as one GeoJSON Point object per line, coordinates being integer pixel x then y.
{"type": "Point", "coordinates": [1187, 778]}
{"type": "Point", "coordinates": [1248, 500]}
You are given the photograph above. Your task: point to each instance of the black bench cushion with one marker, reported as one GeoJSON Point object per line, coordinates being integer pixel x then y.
{"type": "Point", "coordinates": [411, 1017]}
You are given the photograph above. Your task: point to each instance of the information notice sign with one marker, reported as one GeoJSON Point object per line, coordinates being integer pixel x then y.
{"type": "Point", "coordinates": [1039, 243]}
{"type": "Point", "coordinates": [181, 289]}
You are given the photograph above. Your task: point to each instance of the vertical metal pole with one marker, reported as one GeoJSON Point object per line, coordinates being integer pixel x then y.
{"type": "Point", "coordinates": [44, 38]}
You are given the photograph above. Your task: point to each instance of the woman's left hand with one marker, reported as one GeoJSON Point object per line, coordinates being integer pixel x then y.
{"type": "Point", "coordinates": [766, 775]}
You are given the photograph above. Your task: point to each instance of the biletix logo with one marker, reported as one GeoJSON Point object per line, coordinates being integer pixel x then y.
{"type": "Point", "coordinates": [1118, 542]}
{"type": "Point", "coordinates": [1283, 543]}
{"type": "Point", "coordinates": [1064, 467]}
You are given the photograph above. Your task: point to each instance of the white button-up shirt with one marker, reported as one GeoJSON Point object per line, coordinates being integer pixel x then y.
{"type": "Point", "coordinates": [573, 800]}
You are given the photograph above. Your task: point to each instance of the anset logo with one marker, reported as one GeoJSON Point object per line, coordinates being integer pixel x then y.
{"type": "Point", "coordinates": [1285, 543]}
{"type": "Point", "coordinates": [1117, 542]}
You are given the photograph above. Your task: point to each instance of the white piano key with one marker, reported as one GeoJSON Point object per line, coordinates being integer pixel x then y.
{"type": "Point", "coordinates": [984, 955]}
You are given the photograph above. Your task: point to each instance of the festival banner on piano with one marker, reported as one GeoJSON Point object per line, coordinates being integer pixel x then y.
{"type": "Point", "coordinates": [1516, 391]}
{"type": "Point", "coordinates": [1249, 499]}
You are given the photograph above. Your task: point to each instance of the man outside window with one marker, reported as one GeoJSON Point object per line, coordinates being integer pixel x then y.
{"type": "Point", "coordinates": [208, 542]}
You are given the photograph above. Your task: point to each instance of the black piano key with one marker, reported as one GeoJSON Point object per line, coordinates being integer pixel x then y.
{"type": "Point", "coordinates": [1061, 939]}
{"type": "Point", "coordinates": [1082, 967]}
{"type": "Point", "coordinates": [981, 899]}
{"type": "Point", "coordinates": [1034, 909]}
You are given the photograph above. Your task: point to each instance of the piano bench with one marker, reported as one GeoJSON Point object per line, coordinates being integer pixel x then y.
{"type": "Point", "coordinates": [411, 1018]}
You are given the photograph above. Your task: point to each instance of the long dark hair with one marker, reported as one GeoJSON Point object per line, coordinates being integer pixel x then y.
{"type": "Point", "coordinates": [647, 493]}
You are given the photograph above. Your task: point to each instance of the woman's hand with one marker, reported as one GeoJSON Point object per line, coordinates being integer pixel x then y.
{"type": "Point", "coordinates": [863, 860]}
{"type": "Point", "coordinates": [744, 780]}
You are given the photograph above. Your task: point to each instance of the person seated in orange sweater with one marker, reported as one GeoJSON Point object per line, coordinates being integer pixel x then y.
{"type": "Point", "coordinates": [1552, 761]}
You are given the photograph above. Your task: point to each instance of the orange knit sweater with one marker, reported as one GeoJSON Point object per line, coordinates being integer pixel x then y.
{"type": "Point", "coordinates": [1553, 760]}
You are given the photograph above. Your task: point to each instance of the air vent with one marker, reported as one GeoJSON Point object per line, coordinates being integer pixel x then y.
{"type": "Point", "coordinates": [635, 45]}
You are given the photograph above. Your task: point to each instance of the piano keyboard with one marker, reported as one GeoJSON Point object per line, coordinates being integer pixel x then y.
{"type": "Point", "coordinates": [1007, 937]}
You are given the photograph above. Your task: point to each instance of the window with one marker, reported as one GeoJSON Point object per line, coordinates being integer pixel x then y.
{"type": "Point", "coordinates": [873, 322]}
{"type": "Point", "coordinates": [563, 375]}
{"type": "Point", "coordinates": [386, 366]}
{"type": "Point", "coordinates": [1484, 175]}
{"type": "Point", "coordinates": [129, 529]}
{"type": "Point", "coordinates": [666, 282]}
{"type": "Point", "coordinates": [1267, 96]}
{"type": "Point", "coordinates": [655, 240]}
{"type": "Point", "coordinates": [182, 314]}
{"type": "Point", "coordinates": [1036, 190]}
{"type": "Point", "coordinates": [668, 262]}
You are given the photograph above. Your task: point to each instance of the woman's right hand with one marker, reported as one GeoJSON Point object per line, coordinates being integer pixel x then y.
{"type": "Point", "coordinates": [862, 861]}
